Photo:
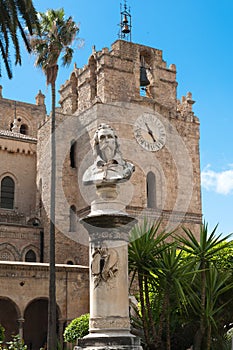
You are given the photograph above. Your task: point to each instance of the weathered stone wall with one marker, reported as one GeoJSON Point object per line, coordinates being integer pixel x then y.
{"type": "Point", "coordinates": [118, 101]}
{"type": "Point", "coordinates": [24, 283]}
{"type": "Point", "coordinates": [106, 90]}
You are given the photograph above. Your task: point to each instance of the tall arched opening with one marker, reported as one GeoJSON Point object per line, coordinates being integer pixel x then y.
{"type": "Point", "coordinates": [36, 324]}
{"type": "Point", "coordinates": [9, 318]}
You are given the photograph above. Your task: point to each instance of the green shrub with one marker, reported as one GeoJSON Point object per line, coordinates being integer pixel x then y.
{"type": "Point", "coordinates": [15, 344]}
{"type": "Point", "coordinates": [2, 333]}
{"type": "Point", "coordinates": [77, 328]}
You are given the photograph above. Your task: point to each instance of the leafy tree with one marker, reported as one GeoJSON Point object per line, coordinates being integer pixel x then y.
{"type": "Point", "coordinates": [53, 40]}
{"type": "Point", "coordinates": [15, 15]}
{"type": "Point", "coordinates": [77, 328]}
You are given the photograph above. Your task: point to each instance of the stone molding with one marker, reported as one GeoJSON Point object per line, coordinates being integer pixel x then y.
{"type": "Point", "coordinates": [109, 323]}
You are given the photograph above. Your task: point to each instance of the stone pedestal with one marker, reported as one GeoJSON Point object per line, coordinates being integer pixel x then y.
{"type": "Point", "coordinates": [109, 326]}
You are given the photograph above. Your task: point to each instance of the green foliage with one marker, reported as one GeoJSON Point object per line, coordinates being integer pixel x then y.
{"type": "Point", "coordinates": [224, 258]}
{"type": "Point", "coordinates": [15, 344]}
{"type": "Point", "coordinates": [77, 328]}
{"type": "Point", "coordinates": [2, 333]}
{"type": "Point", "coordinates": [184, 288]}
{"type": "Point", "coordinates": [53, 41]}
{"type": "Point", "coordinates": [15, 15]}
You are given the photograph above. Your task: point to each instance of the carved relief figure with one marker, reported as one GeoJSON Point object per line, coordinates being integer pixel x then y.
{"type": "Point", "coordinates": [104, 264]}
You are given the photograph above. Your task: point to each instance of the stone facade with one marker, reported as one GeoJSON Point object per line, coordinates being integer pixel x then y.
{"type": "Point", "coordinates": [24, 234]}
{"type": "Point", "coordinates": [165, 184]}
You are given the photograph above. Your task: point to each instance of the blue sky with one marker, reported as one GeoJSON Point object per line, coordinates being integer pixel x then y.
{"type": "Point", "coordinates": [194, 35]}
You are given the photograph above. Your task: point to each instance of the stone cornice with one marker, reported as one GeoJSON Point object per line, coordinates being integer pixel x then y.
{"type": "Point", "coordinates": [17, 136]}
{"type": "Point", "coordinates": [33, 267]}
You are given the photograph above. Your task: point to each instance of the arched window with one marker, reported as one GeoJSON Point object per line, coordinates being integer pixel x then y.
{"type": "Point", "coordinates": [151, 192]}
{"type": "Point", "coordinates": [23, 129]}
{"type": "Point", "coordinates": [70, 262]}
{"type": "Point", "coordinates": [73, 154]}
{"type": "Point", "coordinates": [7, 193]}
{"type": "Point", "coordinates": [73, 218]}
{"type": "Point", "coordinates": [30, 256]}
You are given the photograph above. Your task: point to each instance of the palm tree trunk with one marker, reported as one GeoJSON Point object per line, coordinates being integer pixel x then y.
{"type": "Point", "coordinates": [208, 345]}
{"type": "Point", "coordinates": [162, 319]}
{"type": "Point", "coordinates": [168, 331]}
{"type": "Point", "coordinates": [148, 307]}
{"type": "Point", "coordinates": [201, 332]}
{"type": "Point", "coordinates": [52, 337]}
{"type": "Point", "coordinates": [144, 319]}
{"type": "Point", "coordinates": [203, 301]}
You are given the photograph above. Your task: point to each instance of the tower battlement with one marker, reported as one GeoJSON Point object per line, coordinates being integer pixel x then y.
{"type": "Point", "coordinates": [114, 76]}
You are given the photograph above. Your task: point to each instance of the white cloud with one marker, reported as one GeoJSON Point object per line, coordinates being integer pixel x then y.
{"type": "Point", "coordinates": [220, 182]}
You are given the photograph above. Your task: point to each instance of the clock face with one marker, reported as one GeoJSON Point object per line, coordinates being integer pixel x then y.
{"type": "Point", "coordinates": [149, 132]}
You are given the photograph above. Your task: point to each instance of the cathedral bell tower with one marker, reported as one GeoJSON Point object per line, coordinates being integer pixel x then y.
{"type": "Point", "coordinates": [133, 89]}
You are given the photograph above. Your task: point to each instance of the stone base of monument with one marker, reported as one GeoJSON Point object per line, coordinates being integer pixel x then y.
{"type": "Point", "coordinates": [109, 342]}
{"type": "Point", "coordinates": [107, 201]}
{"type": "Point", "coordinates": [108, 226]}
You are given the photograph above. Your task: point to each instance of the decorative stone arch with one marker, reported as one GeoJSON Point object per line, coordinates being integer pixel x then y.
{"type": "Point", "coordinates": [36, 313]}
{"type": "Point", "coordinates": [9, 253]}
{"type": "Point", "coordinates": [10, 317]}
{"type": "Point", "coordinates": [24, 123]}
{"type": "Point", "coordinates": [29, 249]}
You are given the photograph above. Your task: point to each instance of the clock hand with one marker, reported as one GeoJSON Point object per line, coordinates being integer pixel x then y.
{"type": "Point", "coordinates": [150, 132]}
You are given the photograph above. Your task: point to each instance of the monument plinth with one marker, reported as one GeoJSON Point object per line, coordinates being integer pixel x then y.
{"type": "Point", "coordinates": [108, 226]}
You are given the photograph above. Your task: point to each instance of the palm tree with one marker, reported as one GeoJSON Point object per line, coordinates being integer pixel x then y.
{"type": "Point", "coordinates": [14, 16]}
{"type": "Point", "coordinates": [202, 253]}
{"type": "Point", "coordinates": [55, 37]}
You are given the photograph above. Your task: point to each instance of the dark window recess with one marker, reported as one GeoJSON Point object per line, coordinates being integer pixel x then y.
{"type": "Point", "coordinates": [73, 219]}
{"type": "Point", "coordinates": [151, 192]}
{"type": "Point", "coordinates": [73, 154]}
{"type": "Point", "coordinates": [23, 129]}
{"type": "Point", "coordinates": [7, 193]}
{"type": "Point", "coordinates": [70, 262]}
{"type": "Point", "coordinates": [30, 256]}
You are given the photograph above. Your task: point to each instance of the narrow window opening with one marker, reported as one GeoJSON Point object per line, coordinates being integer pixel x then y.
{"type": "Point", "coordinates": [73, 219]}
{"type": "Point", "coordinates": [30, 256]}
{"type": "Point", "coordinates": [70, 262]}
{"type": "Point", "coordinates": [151, 190]}
{"type": "Point", "coordinates": [7, 193]}
{"type": "Point", "coordinates": [73, 154]}
{"type": "Point", "coordinates": [23, 129]}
